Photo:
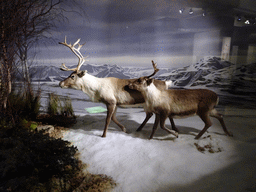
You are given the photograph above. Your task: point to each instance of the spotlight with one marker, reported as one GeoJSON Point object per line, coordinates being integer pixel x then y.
{"type": "Point", "coordinates": [190, 11]}
{"type": "Point", "coordinates": [247, 22]}
{"type": "Point", "coordinates": [181, 10]}
{"type": "Point", "coordinates": [239, 18]}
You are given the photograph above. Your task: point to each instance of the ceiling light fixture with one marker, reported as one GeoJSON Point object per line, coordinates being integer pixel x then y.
{"type": "Point", "coordinates": [181, 10]}
{"type": "Point", "coordinates": [190, 11]}
{"type": "Point", "coordinates": [247, 22]}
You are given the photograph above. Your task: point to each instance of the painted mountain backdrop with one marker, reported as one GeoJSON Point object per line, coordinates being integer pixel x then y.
{"type": "Point", "coordinates": [208, 72]}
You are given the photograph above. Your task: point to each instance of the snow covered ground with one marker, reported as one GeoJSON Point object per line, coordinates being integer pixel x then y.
{"type": "Point", "coordinates": [166, 163]}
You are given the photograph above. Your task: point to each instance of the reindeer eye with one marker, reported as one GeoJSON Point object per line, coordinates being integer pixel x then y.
{"type": "Point", "coordinates": [140, 80]}
{"type": "Point", "coordinates": [72, 77]}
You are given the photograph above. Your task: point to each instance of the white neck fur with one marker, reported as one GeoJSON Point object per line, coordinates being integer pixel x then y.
{"type": "Point", "coordinates": [91, 85]}
{"type": "Point", "coordinates": [152, 97]}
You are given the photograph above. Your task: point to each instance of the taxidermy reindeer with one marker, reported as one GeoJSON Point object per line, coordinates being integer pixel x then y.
{"type": "Point", "coordinates": [178, 103]}
{"type": "Point", "coordinates": [111, 91]}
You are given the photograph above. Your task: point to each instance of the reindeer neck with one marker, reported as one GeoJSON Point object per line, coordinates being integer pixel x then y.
{"type": "Point", "coordinates": [91, 85]}
{"type": "Point", "coordinates": [151, 94]}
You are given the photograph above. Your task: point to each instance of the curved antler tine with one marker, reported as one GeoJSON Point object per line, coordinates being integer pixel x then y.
{"type": "Point", "coordinates": [76, 42]}
{"type": "Point", "coordinates": [64, 68]}
{"type": "Point", "coordinates": [76, 51]}
{"type": "Point", "coordinates": [155, 69]}
{"type": "Point", "coordinates": [79, 47]}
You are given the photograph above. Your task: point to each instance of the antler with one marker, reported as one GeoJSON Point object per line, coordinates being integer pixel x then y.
{"type": "Point", "coordinates": [155, 69]}
{"type": "Point", "coordinates": [76, 51]}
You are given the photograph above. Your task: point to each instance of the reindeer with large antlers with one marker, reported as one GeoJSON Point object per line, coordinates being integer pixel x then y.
{"type": "Point", "coordinates": [111, 91]}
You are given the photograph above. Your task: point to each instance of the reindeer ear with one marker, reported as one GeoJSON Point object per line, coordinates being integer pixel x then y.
{"type": "Point", "coordinates": [81, 73]}
{"type": "Point", "coordinates": [149, 81]}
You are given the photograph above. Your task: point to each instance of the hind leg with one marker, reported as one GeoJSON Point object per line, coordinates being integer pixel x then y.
{"type": "Point", "coordinates": [173, 125]}
{"type": "Point", "coordinates": [214, 113]}
{"type": "Point", "coordinates": [206, 119]}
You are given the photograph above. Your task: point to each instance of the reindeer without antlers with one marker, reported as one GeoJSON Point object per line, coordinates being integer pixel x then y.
{"type": "Point", "coordinates": [178, 103]}
{"type": "Point", "coordinates": [111, 91]}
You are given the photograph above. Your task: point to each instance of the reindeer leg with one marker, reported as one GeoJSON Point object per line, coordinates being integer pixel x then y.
{"type": "Point", "coordinates": [214, 113]}
{"type": "Point", "coordinates": [162, 125]}
{"type": "Point", "coordinates": [155, 126]}
{"type": "Point", "coordinates": [116, 121]}
{"type": "Point", "coordinates": [148, 116]}
{"type": "Point", "coordinates": [206, 119]}
{"type": "Point", "coordinates": [111, 110]}
{"type": "Point", "coordinates": [173, 125]}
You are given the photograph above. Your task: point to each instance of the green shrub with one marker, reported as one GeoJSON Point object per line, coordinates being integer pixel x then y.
{"type": "Point", "coordinates": [57, 106]}
{"type": "Point", "coordinates": [33, 161]}
{"type": "Point", "coordinates": [21, 105]}
{"type": "Point", "coordinates": [54, 104]}
{"type": "Point", "coordinates": [32, 104]}
{"type": "Point", "coordinates": [67, 109]}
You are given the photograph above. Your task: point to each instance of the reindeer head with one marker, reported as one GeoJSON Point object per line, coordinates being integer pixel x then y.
{"type": "Point", "coordinates": [74, 80]}
{"type": "Point", "coordinates": [142, 82]}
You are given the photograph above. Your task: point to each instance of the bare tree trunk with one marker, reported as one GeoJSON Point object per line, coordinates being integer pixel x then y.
{"type": "Point", "coordinates": [5, 71]}
{"type": "Point", "coordinates": [6, 78]}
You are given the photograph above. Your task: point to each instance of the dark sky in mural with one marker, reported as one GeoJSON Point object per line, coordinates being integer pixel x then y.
{"type": "Point", "coordinates": [128, 32]}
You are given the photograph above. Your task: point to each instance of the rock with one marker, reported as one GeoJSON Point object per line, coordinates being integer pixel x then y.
{"type": "Point", "coordinates": [48, 128]}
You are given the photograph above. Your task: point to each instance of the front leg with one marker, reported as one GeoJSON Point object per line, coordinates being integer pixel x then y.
{"type": "Point", "coordinates": [155, 126]}
{"type": "Point", "coordinates": [111, 109]}
{"type": "Point", "coordinates": [162, 125]}
{"type": "Point", "coordinates": [148, 116]}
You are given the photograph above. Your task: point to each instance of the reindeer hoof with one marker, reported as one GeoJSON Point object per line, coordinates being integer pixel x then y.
{"type": "Point", "coordinates": [197, 137]}
{"type": "Point", "coordinates": [103, 135]}
{"type": "Point", "coordinates": [174, 133]}
{"type": "Point", "coordinates": [124, 130]}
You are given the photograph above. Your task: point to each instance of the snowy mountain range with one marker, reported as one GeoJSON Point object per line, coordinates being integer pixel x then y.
{"type": "Point", "coordinates": [208, 72]}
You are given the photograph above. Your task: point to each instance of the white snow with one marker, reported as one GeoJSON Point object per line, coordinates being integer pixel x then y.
{"type": "Point", "coordinates": [165, 163]}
